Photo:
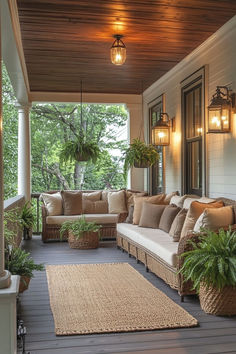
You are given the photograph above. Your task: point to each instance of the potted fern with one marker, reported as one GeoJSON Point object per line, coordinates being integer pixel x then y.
{"type": "Point", "coordinates": [140, 155]}
{"type": "Point", "coordinates": [27, 220]}
{"type": "Point", "coordinates": [19, 262]}
{"type": "Point", "coordinates": [211, 265]}
{"type": "Point", "coordinates": [79, 150]}
{"type": "Point", "coordinates": [82, 234]}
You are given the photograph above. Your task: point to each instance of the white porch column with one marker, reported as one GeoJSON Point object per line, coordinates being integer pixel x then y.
{"type": "Point", "coordinates": [24, 151]}
{"type": "Point", "coordinates": [5, 277]}
{"type": "Point", "coordinates": [136, 176]}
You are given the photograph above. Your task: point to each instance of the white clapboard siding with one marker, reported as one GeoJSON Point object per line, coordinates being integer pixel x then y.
{"type": "Point", "coordinates": [218, 53]}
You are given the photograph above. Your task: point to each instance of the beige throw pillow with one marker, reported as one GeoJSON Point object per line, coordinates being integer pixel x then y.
{"type": "Point", "coordinates": [116, 202]}
{"type": "Point", "coordinates": [177, 225]}
{"type": "Point", "coordinates": [97, 207]}
{"type": "Point", "coordinates": [214, 219]}
{"type": "Point", "coordinates": [93, 196]}
{"type": "Point", "coordinates": [130, 197]}
{"type": "Point", "coordinates": [167, 217]}
{"type": "Point", "coordinates": [138, 203]}
{"type": "Point", "coordinates": [72, 202]}
{"type": "Point", "coordinates": [169, 196]}
{"type": "Point", "coordinates": [53, 203]}
{"type": "Point", "coordinates": [151, 215]}
{"type": "Point", "coordinates": [195, 210]}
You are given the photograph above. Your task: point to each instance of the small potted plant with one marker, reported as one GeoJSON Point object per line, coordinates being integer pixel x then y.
{"type": "Point", "coordinates": [82, 234]}
{"type": "Point", "coordinates": [79, 150]}
{"type": "Point", "coordinates": [211, 265]}
{"type": "Point", "coordinates": [140, 155]}
{"type": "Point", "coordinates": [27, 220]}
{"type": "Point", "coordinates": [19, 262]}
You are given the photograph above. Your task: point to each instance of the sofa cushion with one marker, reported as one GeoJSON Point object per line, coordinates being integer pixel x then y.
{"type": "Point", "coordinates": [130, 197]}
{"type": "Point", "coordinates": [72, 202]}
{"type": "Point", "coordinates": [177, 225]}
{"type": "Point", "coordinates": [168, 216]}
{"type": "Point", "coordinates": [215, 218]}
{"type": "Point", "coordinates": [53, 203]}
{"type": "Point", "coordinates": [93, 196]}
{"type": "Point", "coordinates": [98, 218]}
{"type": "Point", "coordinates": [97, 207]}
{"type": "Point", "coordinates": [151, 215]}
{"type": "Point", "coordinates": [195, 210]}
{"type": "Point", "coordinates": [154, 240]}
{"type": "Point", "coordinates": [116, 202]}
{"type": "Point", "coordinates": [138, 203]}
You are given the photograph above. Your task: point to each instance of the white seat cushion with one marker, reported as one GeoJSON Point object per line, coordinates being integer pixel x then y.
{"type": "Point", "coordinates": [155, 240]}
{"type": "Point", "coordinates": [98, 218]}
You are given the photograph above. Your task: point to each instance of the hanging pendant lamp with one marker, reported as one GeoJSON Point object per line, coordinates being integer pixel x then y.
{"type": "Point", "coordinates": [118, 50]}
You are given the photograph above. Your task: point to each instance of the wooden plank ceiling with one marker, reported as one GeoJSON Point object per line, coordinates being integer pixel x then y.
{"type": "Point", "coordinates": [66, 41]}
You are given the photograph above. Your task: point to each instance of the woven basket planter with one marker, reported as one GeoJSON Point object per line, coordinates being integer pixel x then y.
{"type": "Point", "coordinates": [141, 164]}
{"type": "Point", "coordinates": [218, 302]}
{"type": "Point", "coordinates": [87, 241]}
{"type": "Point", "coordinates": [24, 283]}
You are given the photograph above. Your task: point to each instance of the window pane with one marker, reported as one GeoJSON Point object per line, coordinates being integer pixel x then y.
{"type": "Point", "coordinates": [189, 115]}
{"type": "Point", "coordinates": [195, 165]}
{"type": "Point", "coordinates": [197, 111]}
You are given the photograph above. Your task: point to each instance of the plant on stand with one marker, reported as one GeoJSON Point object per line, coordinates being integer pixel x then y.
{"type": "Point", "coordinates": [27, 220]}
{"type": "Point", "coordinates": [211, 266]}
{"type": "Point", "coordinates": [82, 234]}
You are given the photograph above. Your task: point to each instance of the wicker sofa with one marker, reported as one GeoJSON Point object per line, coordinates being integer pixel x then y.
{"type": "Point", "coordinates": [51, 224]}
{"type": "Point", "coordinates": [157, 251]}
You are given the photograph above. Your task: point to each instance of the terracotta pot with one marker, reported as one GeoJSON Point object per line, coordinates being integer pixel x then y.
{"type": "Point", "coordinates": [141, 164]}
{"type": "Point", "coordinates": [24, 283]}
{"type": "Point", "coordinates": [218, 302]}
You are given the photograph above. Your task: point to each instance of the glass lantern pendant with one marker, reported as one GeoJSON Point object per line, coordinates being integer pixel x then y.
{"type": "Point", "coordinates": [118, 50]}
{"type": "Point", "coordinates": [161, 131]}
{"type": "Point", "coordinates": [219, 111]}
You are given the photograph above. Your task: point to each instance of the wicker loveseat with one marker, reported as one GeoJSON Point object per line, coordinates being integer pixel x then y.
{"type": "Point", "coordinates": [157, 251]}
{"type": "Point", "coordinates": [51, 224]}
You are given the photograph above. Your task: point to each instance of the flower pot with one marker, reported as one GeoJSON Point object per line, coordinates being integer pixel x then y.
{"type": "Point", "coordinates": [82, 157]}
{"type": "Point", "coordinates": [218, 302]}
{"type": "Point", "coordinates": [24, 283]}
{"type": "Point", "coordinates": [89, 240]}
{"type": "Point", "coordinates": [141, 164]}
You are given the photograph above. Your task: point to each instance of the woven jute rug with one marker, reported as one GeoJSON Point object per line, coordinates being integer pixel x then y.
{"type": "Point", "coordinates": [111, 297]}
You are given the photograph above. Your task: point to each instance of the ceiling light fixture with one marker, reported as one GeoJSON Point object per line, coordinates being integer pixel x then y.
{"type": "Point", "coordinates": [118, 50]}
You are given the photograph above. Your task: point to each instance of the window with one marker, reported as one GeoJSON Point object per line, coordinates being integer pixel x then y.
{"type": "Point", "coordinates": [193, 124]}
{"type": "Point", "coordinates": [156, 174]}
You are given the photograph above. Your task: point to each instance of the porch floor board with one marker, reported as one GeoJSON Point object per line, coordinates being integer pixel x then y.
{"type": "Point", "coordinates": [214, 334]}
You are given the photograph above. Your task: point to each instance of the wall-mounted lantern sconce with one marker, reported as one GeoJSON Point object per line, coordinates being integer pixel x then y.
{"type": "Point", "coordinates": [161, 130]}
{"type": "Point", "coordinates": [219, 110]}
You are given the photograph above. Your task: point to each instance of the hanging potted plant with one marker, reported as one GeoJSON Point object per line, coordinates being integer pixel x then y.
{"type": "Point", "coordinates": [19, 262]}
{"type": "Point", "coordinates": [140, 155]}
{"type": "Point", "coordinates": [211, 265]}
{"type": "Point", "coordinates": [82, 234]}
{"type": "Point", "coordinates": [79, 150]}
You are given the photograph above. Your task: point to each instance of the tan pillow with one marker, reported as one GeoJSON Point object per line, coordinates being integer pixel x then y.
{"type": "Point", "coordinates": [188, 202]}
{"type": "Point", "coordinates": [97, 207]}
{"type": "Point", "coordinates": [169, 196]}
{"type": "Point", "coordinates": [179, 200]}
{"type": "Point", "coordinates": [93, 196]}
{"type": "Point", "coordinates": [130, 197]}
{"type": "Point", "coordinates": [213, 219]}
{"type": "Point", "coordinates": [72, 202]}
{"type": "Point", "coordinates": [116, 202]}
{"type": "Point", "coordinates": [195, 210]}
{"type": "Point", "coordinates": [105, 193]}
{"type": "Point", "coordinates": [129, 219]}
{"type": "Point", "coordinates": [177, 225]}
{"type": "Point", "coordinates": [53, 203]}
{"type": "Point", "coordinates": [151, 215]}
{"type": "Point", "coordinates": [138, 202]}
{"type": "Point", "coordinates": [167, 217]}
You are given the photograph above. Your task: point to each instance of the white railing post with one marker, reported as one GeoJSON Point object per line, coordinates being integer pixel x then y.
{"type": "Point", "coordinates": [24, 151]}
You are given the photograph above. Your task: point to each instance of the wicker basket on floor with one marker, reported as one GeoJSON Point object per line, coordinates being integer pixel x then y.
{"type": "Point", "coordinates": [218, 302]}
{"type": "Point", "coordinates": [87, 241]}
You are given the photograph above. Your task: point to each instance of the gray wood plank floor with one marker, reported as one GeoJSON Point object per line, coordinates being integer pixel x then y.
{"type": "Point", "coordinates": [214, 334]}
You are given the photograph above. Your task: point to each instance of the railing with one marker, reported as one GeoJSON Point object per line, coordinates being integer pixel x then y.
{"type": "Point", "coordinates": [35, 203]}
